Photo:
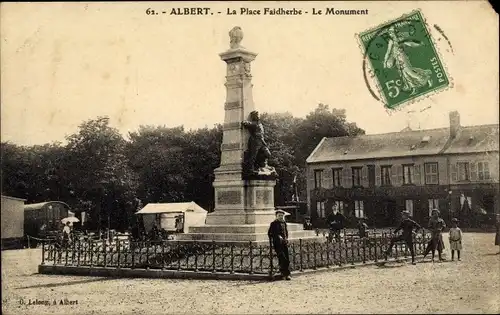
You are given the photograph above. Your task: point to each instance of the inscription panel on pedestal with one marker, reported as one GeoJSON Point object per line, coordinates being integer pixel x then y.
{"type": "Point", "coordinates": [263, 196]}
{"type": "Point", "coordinates": [231, 146]}
{"type": "Point", "coordinates": [229, 197]}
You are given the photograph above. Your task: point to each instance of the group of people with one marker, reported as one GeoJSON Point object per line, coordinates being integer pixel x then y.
{"type": "Point", "coordinates": [436, 243]}
{"type": "Point", "coordinates": [278, 234]}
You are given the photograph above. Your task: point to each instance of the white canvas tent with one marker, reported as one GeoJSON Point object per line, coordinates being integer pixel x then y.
{"type": "Point", "coordinates": [165, 214]}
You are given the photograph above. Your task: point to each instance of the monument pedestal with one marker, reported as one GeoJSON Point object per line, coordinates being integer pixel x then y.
{"type": "Point", "coordinates": [243, 211]}
{"type": "Point", "coordinates": [244, 208]}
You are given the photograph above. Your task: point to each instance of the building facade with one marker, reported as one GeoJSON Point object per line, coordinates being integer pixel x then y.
{"type": "Point", "coordinates": [375, 177]}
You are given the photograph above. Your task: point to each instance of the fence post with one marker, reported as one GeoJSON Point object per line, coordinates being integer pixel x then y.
{"type": "Point", "coordinates": [43, 253]}
{"type": "Point", "coordinates": [251, 258]}
{"type": "Point", "coordinates": [270, 258]}
{"type": "Point", "coordinates": [327, 255]}
{"type": "Point", "coordinates": [333, 253]}
{"type": "Point", "coordinates": [147, 243]}
{"type": "Point", "coordinates": [314, 253]}
{"type": "Point", "coordinates": [79, 252]}
{"type": "Point", "coordinates": [66, 255]}
{"type": "Point", "coordinates": [301, 255]}
{"type": "Point", "coordinates": [364, 249]}
{"type": "Point", "coordinates": [375, 246]}
{"type": "Point", "coordinates": [340, 254]}
{"type": "Point", "coordinates": [213, 256]}
{"type": "Point", "coordinates": [132, 249]}
{"type": "Point", "coordinates": [352, 249]}
{"type": "Point", "coordinates": [232, 258]}
{"type": "Point", "coordinates": [119, 252]}
{"type": "Point", "coordinates": [105, 249]}
{"type": "Point", "coordinates": [163, 254]}
{"type": "Point", "coordinates": [91, 248]}
{"type": "Point", "coordinates": [155, 254]}
{"type": "Point", "coordinates": [346, 251]}
{"type": "Point", "coordinates": [179, 255]}
{"type": "Point", "coordinates": [195, 257]}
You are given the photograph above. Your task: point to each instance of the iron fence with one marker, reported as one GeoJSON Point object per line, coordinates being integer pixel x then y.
{"type": "Point", "coordinates": [226, 257]}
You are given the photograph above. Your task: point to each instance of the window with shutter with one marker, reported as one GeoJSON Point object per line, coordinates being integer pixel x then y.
{"type": "Point", "coordinates": [318, 178]}
{"type": "Point", "coordinates": [337, 177]}
{"type": "Point", "coordinates": [394, 175]}
{"type": "Point", "coordinates": [417, 176]}
{"type": "Point", "coordinates": [356, 177]}
{"type": "Point", "coordinates": [431, 173]}
{"type": "Point", "coordinates": [386, 176]}
{"type": "Point", "coordinates": [377, 175]}
{"type": "Point", "coordinates": [483, 171]}
{"type": "Point", "coordinates": [454, 172]}
{"type": "Point", "coordinates": [346, 175]}
{"type": "Point", "coordinates": [473, 171]}
{"type": "Point", "coordinates": [399, 171]}
{"type": "Point", "coordinates": [364, 176]}
{"type": "Point", "coordinates": [463, 171]}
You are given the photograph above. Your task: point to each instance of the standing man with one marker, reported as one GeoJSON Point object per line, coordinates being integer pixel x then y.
{"type": "Point", "coordinates": [278, 234]}
{"type": "Point", "coordinates": [407, 225]}
{"type": "Point", "coordinates": [336, 222]}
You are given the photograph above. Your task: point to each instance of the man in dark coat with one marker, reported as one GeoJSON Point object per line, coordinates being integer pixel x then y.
{"type": "Point", "coordinates": [278, 234]}
{"type": "Point", "coordinates": [407, 225]}
{"type": "Point", "coordinates": [336, 222]}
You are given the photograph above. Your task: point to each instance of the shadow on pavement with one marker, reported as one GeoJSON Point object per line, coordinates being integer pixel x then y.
{"type": "Point", "coordinates": [491, 254]}
{"type": "Point", "coordinates": [61, 284]}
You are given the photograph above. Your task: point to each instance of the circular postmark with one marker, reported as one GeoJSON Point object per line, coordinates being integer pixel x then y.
{"type": "Point", "coordinates": [401, 58]}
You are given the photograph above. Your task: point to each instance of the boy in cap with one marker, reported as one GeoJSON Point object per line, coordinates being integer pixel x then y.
{"type": "Point", "coordinates": [407, 225]}
{"type": "Point", "coordinates": [278, 233]}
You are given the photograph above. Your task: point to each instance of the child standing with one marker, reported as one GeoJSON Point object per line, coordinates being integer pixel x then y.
{"type": "Point", "coordinates": [455, 239]}
{"type": "Point", "coordinates": [497, 234]}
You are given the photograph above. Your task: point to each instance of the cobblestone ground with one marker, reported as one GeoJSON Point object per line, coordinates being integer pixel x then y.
{"type": "Point", "coordinates": [469, 286]}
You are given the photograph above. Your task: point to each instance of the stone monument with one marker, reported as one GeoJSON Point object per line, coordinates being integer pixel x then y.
{"type": "Point", "coordinates": [244, 182]}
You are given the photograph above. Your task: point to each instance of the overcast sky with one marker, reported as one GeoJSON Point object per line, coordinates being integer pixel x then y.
{"type": "Point", "coordinates": [63, 63]}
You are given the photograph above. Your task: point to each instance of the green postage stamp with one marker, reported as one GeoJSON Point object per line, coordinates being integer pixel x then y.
{"type": "Point", "coordinates": [404, 60]}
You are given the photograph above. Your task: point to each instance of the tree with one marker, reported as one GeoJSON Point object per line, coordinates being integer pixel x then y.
{"type": "Point", "coordinates": [282, 143]}
{"type": "Point", "coordinates": [99, 173]}
{"type": "Point", "coordinates": [174, 165]}
{"type": "Point", "coordinates": [320, 123]}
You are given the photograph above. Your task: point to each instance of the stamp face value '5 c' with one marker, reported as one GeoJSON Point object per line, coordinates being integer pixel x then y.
{"type": "Point", "coordinates": [403, 59]}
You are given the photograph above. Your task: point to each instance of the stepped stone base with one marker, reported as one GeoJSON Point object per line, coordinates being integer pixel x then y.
{"type": "Point", "coordinates": [241, 233]}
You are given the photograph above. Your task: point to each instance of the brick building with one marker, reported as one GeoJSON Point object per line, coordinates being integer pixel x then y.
{"type": "Point", "coordinates": [455, 169]}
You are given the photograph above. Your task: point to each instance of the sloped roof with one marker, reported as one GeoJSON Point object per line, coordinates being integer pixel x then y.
{"type": "Point", "coordinates": [406, 143]}
{"type": "Point", "coordinates": [13, 198]}
{"type": "Point", "coordinates": [473, 139]}
{"type": "Point", "coordinates": [40, 205]}
{"type": "Point", "coordinates": [152, 208]}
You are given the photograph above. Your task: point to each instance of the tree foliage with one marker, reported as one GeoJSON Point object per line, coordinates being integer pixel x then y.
{"type": "Point", "coordinates": [101, 172]}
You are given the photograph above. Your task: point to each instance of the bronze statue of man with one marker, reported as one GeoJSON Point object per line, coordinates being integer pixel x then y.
{"type": "Point", "coordinates": [258, 152]}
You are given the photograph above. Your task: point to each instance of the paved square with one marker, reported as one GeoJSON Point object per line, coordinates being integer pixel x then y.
{"type": "Point", "coordinates": [468, 286]}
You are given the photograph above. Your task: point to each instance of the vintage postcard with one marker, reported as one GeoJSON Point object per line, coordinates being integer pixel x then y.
{"type": "Point", "coordinates": [250, 157]}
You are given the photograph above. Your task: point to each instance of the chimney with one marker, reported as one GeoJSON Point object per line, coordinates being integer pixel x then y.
{"type": "Point", "coordinates": [454, 123]}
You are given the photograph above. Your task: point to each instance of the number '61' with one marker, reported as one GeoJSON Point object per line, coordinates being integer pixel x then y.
{"type": "Point", "coordinates": [392, 87]}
